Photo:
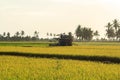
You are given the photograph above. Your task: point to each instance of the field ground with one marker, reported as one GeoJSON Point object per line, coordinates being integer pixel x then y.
{"type": "Point", "coordinates": [82, 61]}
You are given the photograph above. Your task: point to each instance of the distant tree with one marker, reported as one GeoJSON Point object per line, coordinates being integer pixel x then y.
{"type": "Point", "coordinates": [118, 34]}
{"type": "Point", "coordinates": [4, 34]}
{"type": "Point", "coordinates": [96, 34]}
{"type": "Point", "coordinates": [84, 33]}
{"type": "Point", "coordinates": [27, 38]}
{"type": "Point", "coordinates": [8, 35]}
{"type": "Point", "coordinates": [87, 34]}
{"type": "Point", "coordinates": [57, 34]}
{"type": "Point", "coordinates": [90, 31]}
{"type": "Point", "coordinates": [54, 35]}
{"type": "Point", "coordinates": [108, 26]}
{"type": "Point", "coordinates": [116, 26]}
{"type": "Point", "coordinates": [36, 34]}
{"type": "Point", "coordinates": [17, 34]}
{"type": "Point", "coordinates": [22, 33]}
{"type": "Point", "coordinates": [78, 32]}
{"type": "Point", "coordinates": [110, 31]}
{"type": "Point", "coordinates": [50, 34]}
{"type": "Point", "coordinates": [47, 34]}
{"type": "Point", "coordinates": [0, 35]}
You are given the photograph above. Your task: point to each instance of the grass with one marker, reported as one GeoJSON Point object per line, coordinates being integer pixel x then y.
{"type": "Point", "coordinates": [39, 43]}
{"type": "Point", "coordinates": [38, 61]}
{"type": "Point", "coordinates": [25, 44]}
{"type": "Point", "coordinates": [97, 43]}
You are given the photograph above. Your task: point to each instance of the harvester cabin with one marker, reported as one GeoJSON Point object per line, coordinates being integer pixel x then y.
{"type": "Point", "coordinates": [65, 40]}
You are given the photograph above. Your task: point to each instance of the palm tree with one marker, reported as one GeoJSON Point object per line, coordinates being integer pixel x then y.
{"type": "Point", "coordinates": [8, 34]}
{"type": "Point", "coordinates": [78, 32]}
{"type": "Point", "coordinates": [110, 31]}
{"type": "Point", "coordinates": [17, 34]}
{"type": "Point", "coordinates": [36, 34]}
{"type": "Point", "coordinates": [47, 35]}
{"type": "Point", "coordinates": [54, 35]}
{"type": "Point", "coordinates": [4, 34]}
{"type": "Point", "coordinates": [118, 34]}
{"type": "Point", "coordinates": [96, 34]}
{"type": "Point", "coordinates": [22, 33]}
{"type": "Point", "coordinates": [50, 34]}
{"type": "Point", "coordinates": [87, 34]}
{"type": "Point", "coordinates": [109, 25]}
{"type": "Point", "coordinates": [116, 25]}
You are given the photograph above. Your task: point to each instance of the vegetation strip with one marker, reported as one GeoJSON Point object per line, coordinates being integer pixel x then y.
{"type": "Point", "coordinates": [104, 59]}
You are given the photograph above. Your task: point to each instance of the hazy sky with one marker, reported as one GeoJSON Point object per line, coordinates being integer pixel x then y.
{"type": "Point", "coordinates": [56, 16]}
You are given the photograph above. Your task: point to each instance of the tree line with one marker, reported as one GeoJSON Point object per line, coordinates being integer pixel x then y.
{"type": "Point", "coordinates": [85, 34]}
{"type": "Point", "coordinates": [19, 36]}
{"type": "Point", "coordinates": [81, 33]}
{"type": "Point", "coordinates": [113, 30]}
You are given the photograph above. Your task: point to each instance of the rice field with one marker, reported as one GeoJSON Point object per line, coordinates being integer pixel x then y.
{"type": "Point", "coordinates": [44, 68]}
{"type": "Point", "coordinates": [20, 68]}
{"type": "Point", "coordinates": [93, 50]}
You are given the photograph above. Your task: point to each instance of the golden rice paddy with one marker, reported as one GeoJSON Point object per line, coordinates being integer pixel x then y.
{"type": "Point", "coordinates": [32, 68]}
{"type": "Point", "coordinates": [112, 51]}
